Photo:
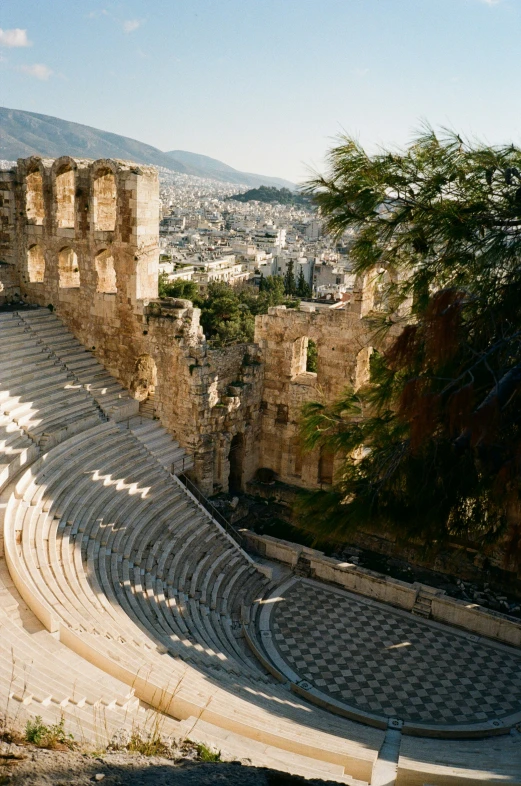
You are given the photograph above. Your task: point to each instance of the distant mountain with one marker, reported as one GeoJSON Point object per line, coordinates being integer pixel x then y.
{"type": "Point", "coordinates": [283, 196]}
{"type": "Point", "coordinates": [227, 174]}
{"type": "Point", "coordinates": [25, 134]}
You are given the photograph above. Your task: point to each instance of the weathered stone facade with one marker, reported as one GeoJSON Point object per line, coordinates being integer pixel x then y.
{"type": "Point", "coordinates": [343, 351]}
{"type": "Point", "coordinates": [81, 237]}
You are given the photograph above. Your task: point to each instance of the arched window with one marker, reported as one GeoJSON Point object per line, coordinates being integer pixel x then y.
{"type": "Point", "coordinates": [68, 269]}
{"type": "Point", "coordinates": [305, 357]}
{"type": "Point", "coordinates": [326, 466]}
{"type": "Point", "coordinates": [34, 204]}
{"type": "Point", "coordinates": [65, 188]}
{"type": "Point", "coordinates": [35, 264]}
{"type": "Point", "coordinates": [106, 273]}
{"type": "Point", "coordinates": [105, 196]}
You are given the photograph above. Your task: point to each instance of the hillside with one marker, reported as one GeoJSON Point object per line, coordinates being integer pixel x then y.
{"type": "Point", "coordinates": [221, 171]}
{"type": "Point", "coordinates": [283, 196]}
{"type": "Point", "coordinates": [25, 134]}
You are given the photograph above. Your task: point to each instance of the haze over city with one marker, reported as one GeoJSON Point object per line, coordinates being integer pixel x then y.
{"type": "Point", "coordinates": [265, 85]}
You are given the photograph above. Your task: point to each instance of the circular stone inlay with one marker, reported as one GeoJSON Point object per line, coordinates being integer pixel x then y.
{"type": "Point", "coordinates": [389, 663]}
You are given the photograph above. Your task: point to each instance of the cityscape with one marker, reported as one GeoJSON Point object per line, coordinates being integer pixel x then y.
{"type": "Point", "coordinates": [205, 236]}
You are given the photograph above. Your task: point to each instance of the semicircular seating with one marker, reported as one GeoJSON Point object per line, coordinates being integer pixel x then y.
{"type": "Point", "coordinates": [117, 577]}
{"type": "Point", "coordinates": [129, 574]}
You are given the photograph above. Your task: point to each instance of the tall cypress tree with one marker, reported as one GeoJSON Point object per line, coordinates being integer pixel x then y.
{"type": "Point", "coordinates": [289, 279]}
{"type": "Point", "coordinates": [303, 288]}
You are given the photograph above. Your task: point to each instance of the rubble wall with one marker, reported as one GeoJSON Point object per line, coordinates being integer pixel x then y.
{"type": "Point", "coordinates": [9, 276]}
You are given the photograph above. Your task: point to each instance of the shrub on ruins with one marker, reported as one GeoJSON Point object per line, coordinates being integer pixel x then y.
{"type": "Point", "coordinates": [186, 290]}
{"type": "Point", "coordinates": [432, 444]}
{"type": "Point", "coordinates": [228, 313]}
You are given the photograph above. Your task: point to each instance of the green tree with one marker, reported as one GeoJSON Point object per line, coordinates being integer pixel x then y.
{"type": "Point", "coordinates": [187, 290]}
{"type": "Point", "coordinates": [224, 318]}
{"type": "Point", "coordinates": [302, 288]}
{"type": "Point", "coordinates": [289, 279]}
{"type": "Point", "coordinates": [433, 442]}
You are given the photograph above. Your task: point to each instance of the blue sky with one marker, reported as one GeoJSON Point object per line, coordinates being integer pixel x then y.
{"type": "Point", "coordinates": [266, 85]}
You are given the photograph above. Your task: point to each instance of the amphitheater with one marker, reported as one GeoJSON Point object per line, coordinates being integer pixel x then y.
{"type": "Point", "coordinates": [124, 602]}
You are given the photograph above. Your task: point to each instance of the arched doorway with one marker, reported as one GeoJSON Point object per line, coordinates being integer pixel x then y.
{"type": "Point", "coordinates": [236, 459]}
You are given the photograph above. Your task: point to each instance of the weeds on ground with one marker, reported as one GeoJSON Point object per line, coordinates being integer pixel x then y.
{"type": "Point", "coordinates": [37, 733]}
{"type": "Point", "coordinates": [207, 754]}
{"type": "Point", "coordinates": [154, 744]}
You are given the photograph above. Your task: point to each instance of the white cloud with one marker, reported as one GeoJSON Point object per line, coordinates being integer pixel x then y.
{"type": "Point", "coordinates": [130, 25]}
{"type": "Point", "coordinates": [360, 71]}
{"type": "Point", "coordinates": [491, 2]}
{"type": "Point", "coordinates": [15, 37]}
{"type": "Point", "coordinates": [38, 70]}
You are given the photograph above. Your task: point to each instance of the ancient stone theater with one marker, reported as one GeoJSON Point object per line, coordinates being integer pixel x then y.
{"type": "Point", "coordinates": [124, 600]}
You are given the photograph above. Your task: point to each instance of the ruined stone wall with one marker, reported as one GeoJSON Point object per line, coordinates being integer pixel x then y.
{"type": "Point", "coordinates": [343, 347]}
{"type": "Point", "coordinates": [235, 397]}
{"type": "Point", "coordinates": [81, 237]}
{"type": "Point", "coordinates": [9, 278]}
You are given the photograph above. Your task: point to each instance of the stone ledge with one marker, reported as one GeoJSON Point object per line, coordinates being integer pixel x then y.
{"type": "Point", "coordinates": [469, 616]}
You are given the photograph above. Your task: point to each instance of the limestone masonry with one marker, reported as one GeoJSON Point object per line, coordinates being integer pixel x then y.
{"type": "Point", "coordinates": [82, 237]}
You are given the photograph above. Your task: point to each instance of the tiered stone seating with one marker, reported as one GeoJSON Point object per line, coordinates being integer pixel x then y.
{"type": "Point", "coordinates": [43, 399]}
{"type": "Point", "coordinates": [128, 573]}
{"type": "Point", "coordinates": [113, 400]}
{"type": "Point", "coordinates": [160, 444]}
{"type": "Point", "coordinates": [114, 555]}
{"type": "Point", "coordinates": [46, 329]}
{"type": "Point", "coordinates": [119, 592]}
{"type": "Point", "coordinates": [451, 763]}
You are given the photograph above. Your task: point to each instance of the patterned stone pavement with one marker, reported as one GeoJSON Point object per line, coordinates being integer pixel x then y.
{"type": "Point", "coordinates": [387, 662]}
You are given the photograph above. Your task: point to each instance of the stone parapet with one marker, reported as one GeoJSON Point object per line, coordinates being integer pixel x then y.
{"type": "Point", "coordinates": [470, 616]}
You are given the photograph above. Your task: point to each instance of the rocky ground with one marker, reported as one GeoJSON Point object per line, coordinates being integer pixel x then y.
{"type": "Point", "coordinates": [33, 766]}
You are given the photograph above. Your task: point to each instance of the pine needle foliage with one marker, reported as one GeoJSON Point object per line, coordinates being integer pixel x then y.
{"type": "Point", "coordinates": [433, 442]}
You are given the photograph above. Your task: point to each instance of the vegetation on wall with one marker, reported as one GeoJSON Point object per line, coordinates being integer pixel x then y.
{"type": "Point", "coordinates": [228, 313]}
{"type": "Point", "coordinates": [433, 443]}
